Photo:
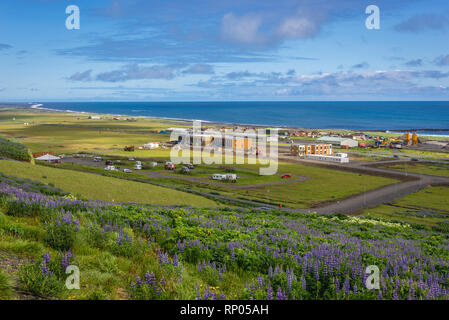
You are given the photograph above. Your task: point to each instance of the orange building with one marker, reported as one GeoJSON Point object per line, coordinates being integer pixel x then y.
{"type": "Point", "coordinates": [244, 143]}
{"type": "Point", "coordinates": [319, 149]}
{"type": "Point", "coordinates": [301, 150]}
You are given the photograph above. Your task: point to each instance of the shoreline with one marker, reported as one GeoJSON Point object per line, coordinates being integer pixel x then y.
{"type": "Point", "coordinates": [40, 106]}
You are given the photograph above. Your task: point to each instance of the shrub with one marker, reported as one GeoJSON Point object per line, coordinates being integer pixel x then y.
{"type": "Point", "coordinates": [61, 234]}
{"type": "Point", "coordinates": [5, 286]}
{"type": "Point", "coordinates": [14, 150]}
{"type": "Point", "coordinates": [41, 278]}
{"type": "Point", "coordinates": [149, 289]}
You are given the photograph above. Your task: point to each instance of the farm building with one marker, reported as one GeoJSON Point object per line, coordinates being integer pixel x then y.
{"type": "Point", "coordinates": [40, 154]}
{"type": "Point", "coordinates": [337, 141]}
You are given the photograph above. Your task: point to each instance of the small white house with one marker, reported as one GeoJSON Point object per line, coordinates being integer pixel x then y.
{"type": "Point", "coordinates": [49, 158]}
{"type": "Point", "coordinates": [151, 145]}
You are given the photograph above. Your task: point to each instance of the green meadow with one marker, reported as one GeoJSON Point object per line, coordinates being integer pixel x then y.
{"type": "Point", "coordinates": [93, 186]}
{"type": "Point", "coordinates": [434, 169]}
{"type": "Point", "coordinates": [426, 207]}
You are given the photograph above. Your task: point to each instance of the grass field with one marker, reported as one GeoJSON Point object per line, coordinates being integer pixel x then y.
{"type": "Point", "coordinates": [322, 185]}
{"type": "Point", "coordinates": [435, 169]}
{"type": "Point", "coordinates": [427, 207]}
{"type": "Point", "coordinates": [103, 188]}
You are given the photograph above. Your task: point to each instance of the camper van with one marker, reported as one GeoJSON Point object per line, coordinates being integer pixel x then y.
{"type": "Point", "coordinates": [225, 177]}
{"type": "Point", "coordinates": [110, 168]}
{"type": "Point", "coordinates": [219, 177]}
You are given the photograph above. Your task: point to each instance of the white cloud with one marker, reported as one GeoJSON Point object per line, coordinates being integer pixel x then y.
{"type": "Point", "coordinates": [244, 29]}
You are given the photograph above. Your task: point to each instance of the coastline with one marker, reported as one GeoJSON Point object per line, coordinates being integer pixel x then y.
{"type": "Point", "coordinates": [41, 106]}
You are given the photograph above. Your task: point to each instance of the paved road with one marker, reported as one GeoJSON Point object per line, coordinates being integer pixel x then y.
{"type": "Point", "coordinates": [411, 182]}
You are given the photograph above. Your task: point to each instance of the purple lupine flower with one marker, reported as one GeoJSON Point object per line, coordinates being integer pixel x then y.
{"type": "Point", "coordinates": [269, 292]}
{"type": "Point", "coordinates": [280, 294]}
{"type": "Point", "coordinates": [346, 286]}
{"type": "Point", "coordinates": [138, 282]}
{"type": "Point", "coordinates": [175, 260]}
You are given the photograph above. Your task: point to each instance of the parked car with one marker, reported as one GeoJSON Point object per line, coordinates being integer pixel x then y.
{"type": "Point", "coordinates": [169, 166]}
{"type": "Point", "coordinates": [108, 162]}
{"type": "Point", "coordinates": [185, 170]}
{"type": "Point", "coordinates": [396, 156]}
{"type": "Point", "coordinates": [286, 176]}
{"type": "Point", "coordinates": [110, 168]}
{"type": "Point", "coordinates": [414, 159]}
{"type": "Point", "coordinates": [138, 167]}
{"type": "Point", "coordinates": [98, 159]}
{"type": "Point", "coordinates": [127, 171]}
{"type": "Point", "coordinates": [131, 159]}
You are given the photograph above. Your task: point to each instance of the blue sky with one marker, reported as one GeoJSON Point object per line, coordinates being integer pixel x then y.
{"type": "Point", "coordinates": [148, 50]}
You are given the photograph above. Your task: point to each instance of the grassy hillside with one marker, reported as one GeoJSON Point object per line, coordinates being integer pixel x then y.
{"type": "Point", "coordinates": [429, 207]}
{"type": "Point", "coordinates": [13, 150]}
{"type": "Point", "coordinates": [97, 187]}
{"type": "Point", "coordinates": [140, 252]}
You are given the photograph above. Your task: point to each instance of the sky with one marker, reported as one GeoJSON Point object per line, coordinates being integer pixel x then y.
{"type": "Point", "coordinates": [215, 50]}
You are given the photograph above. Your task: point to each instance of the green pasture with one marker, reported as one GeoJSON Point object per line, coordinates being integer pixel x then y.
{"type": "Point", "coordinates": [98, 187]}
{"type": "Point", "coordinates": [426, 207]}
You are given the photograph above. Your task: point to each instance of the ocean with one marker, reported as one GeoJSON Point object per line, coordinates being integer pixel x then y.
{"type": "Point", "coordinates": [382, 115]}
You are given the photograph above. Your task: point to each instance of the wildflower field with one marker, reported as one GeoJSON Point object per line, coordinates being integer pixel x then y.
{"type": "Point", "coordinates": [133, 251]}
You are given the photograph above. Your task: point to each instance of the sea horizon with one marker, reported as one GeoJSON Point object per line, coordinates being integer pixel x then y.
{"type": "Point", "coordinates": [352, 115]}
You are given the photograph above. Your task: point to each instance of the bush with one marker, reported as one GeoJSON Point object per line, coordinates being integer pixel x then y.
{"type": "Point", "coordinates": [13, 150]}
{"type": "Point", "coordinates": [41, 278]}
{"type": "Point", "coordinates": [5, 286]}
{"type": "Point", "coordinates": [61, 235]}
{"type": "Point", "coordinates": [150, 289]}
